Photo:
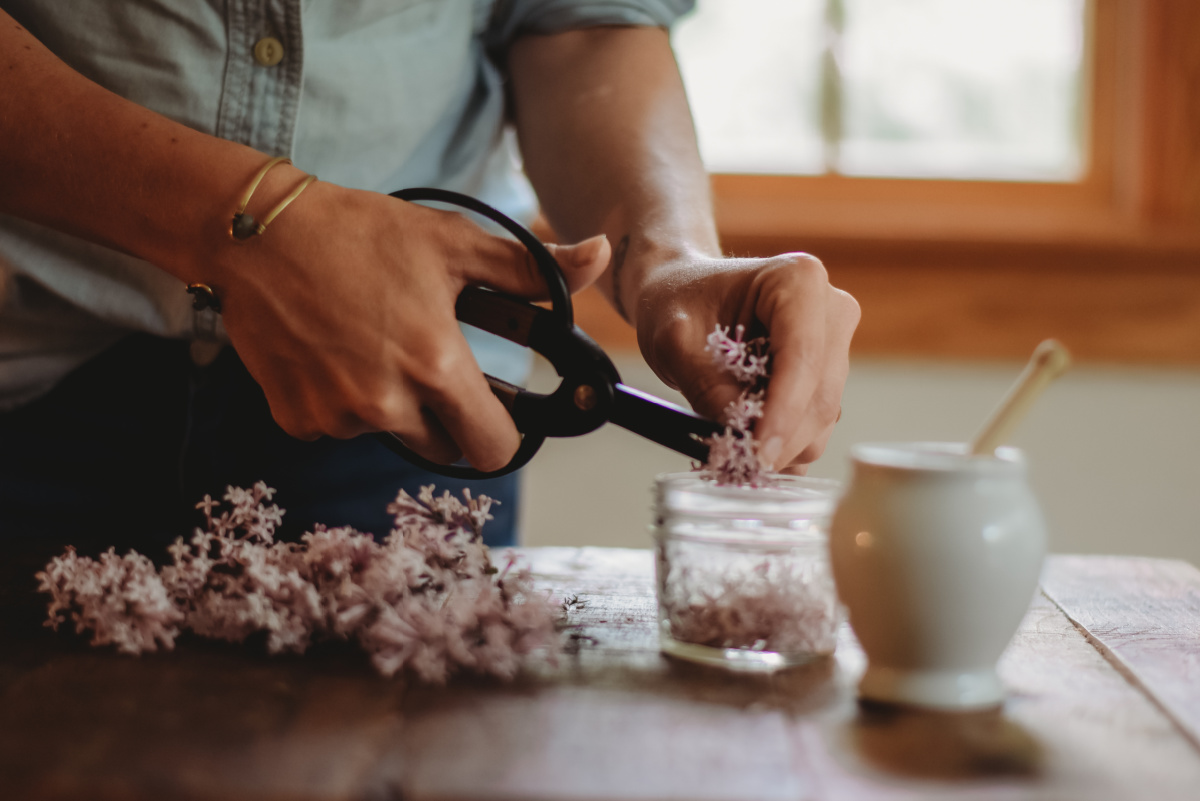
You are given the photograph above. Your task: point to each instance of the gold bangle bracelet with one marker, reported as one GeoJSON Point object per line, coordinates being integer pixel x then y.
{"type": "Point", "coordinates": [204, 298]}
{"type": "Point", "coordinates": [283, 204]}
{"type": "Point", "coordinates": [242, 226]}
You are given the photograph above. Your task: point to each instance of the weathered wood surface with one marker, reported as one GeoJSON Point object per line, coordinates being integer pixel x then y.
{"type": "Point", "coordinates": [1144, 616]}
{"type": "Point", "coordinates": [615, 720]}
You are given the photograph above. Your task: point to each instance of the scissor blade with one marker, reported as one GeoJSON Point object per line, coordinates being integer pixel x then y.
{"type": "Point", "coordinates": [663, 422]}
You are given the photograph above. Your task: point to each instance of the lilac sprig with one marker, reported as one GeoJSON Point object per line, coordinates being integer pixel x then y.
{"type": "Point", "coordinates": [426, 599]}
{"type": "Point", "coordinates": [733, 457]}
{"type": "Point", "coordinates": [120, 599]}
{"type": "Point", "coordinates": [746, 360]}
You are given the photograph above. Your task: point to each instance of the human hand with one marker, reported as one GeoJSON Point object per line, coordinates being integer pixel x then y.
{"type": "Point", "coordinates": [343, 311]}
{"type": "Point", "coordinates": [789, 298]}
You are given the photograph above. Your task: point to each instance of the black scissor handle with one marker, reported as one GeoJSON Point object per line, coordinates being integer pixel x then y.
{"type": "Point", "coordinates": [560, 295]}
{"type": "Point", "coordinates": [561, 310]}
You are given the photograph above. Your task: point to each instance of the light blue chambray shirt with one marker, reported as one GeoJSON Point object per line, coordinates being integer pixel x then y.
{"type": "Point", "coordinates": [371, 94]}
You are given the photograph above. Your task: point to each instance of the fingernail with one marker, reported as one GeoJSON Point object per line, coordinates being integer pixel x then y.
{"type": "Point", "coordinates": [769, 452]}
{"type": "Point", "coordinates": [585, 252]}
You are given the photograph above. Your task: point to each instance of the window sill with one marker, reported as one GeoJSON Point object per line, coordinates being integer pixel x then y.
{"type": "Point", "coordinates": [971, 270]}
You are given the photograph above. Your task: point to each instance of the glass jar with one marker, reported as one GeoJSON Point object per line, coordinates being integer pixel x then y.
{"type": "Point", "coordinates": [743, 574]}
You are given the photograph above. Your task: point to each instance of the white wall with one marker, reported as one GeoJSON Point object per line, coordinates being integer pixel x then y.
{"type": "Point", "coordinates": [1114, 453]}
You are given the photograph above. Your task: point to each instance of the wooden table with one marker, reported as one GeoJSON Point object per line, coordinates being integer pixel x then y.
{"type": "Point", "coordinates": [1104, 682]}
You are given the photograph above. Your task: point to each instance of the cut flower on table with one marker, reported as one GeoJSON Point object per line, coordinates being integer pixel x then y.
{"type": "Point", "coordinates": [427, 598]}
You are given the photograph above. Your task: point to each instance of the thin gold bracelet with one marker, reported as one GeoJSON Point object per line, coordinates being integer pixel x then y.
{"type": "Point", "coordinates": [283, 204]}
{"type": "Point", "coordinates": [243, 226]}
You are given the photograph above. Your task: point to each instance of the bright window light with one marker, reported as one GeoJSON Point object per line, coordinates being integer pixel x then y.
{"type": "Point", "coordinates": [986, 89]}
{"type": "Point", "coordinates": [753, 74]}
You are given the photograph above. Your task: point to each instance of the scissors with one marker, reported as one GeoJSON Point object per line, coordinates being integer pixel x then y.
{"type": "Point", "coordinates": [590, 393]}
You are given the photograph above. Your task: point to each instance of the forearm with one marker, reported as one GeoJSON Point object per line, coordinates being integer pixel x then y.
{"type": "Point", "coordinates": [609, 145]}
{"type": "Point", "coordinates": [81, 159]}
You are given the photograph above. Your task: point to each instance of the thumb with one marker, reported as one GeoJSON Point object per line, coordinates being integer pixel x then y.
{"type": "Point", "coordinates": [508, 267]}
{"type": "Point", "coordinates": [583, 262]}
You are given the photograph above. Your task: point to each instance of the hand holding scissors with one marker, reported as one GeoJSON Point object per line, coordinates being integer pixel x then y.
{"type": "Point", "coordinates": [590, 393]}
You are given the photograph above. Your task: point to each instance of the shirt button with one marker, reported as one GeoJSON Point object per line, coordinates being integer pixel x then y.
{"type": "Point", "coordinates": [268, 51]}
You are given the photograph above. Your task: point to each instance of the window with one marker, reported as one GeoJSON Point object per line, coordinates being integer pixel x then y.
{"type": "Point", "coordinates": [908, 88]}
{"type": "Point", "coordinates": [962, 232]}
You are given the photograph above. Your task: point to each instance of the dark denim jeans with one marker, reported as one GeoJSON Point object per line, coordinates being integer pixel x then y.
{"type": "Point", "coordinates": [122, 449]}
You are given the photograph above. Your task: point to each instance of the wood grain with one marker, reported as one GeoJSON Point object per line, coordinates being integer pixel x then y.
{"type": "Point", "coordinates": [205, 722]}
{"type": "Point", "coordinates": [999, 306]}
{"type": "Point", "coordinates": [617, 720]}
{"type": "Point", "coordinates": [1171, 148]}
{"type": "Point", "coordinates": [1072, 729]}
{"type": "Point", "coordinates": [1144, 615]}
{"type": "Point", "coordinates": [614, 719]}
{"type": "Point", "coordinates": [623, 722]}
{"type": "Point", "coordinates": [978, 303]}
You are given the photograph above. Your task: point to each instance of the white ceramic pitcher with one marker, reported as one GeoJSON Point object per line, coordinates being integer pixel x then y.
{"type": "Point", "coordinates": [936, 555]}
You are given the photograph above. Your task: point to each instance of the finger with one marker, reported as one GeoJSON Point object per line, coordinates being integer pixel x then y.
{"type": "Point", "coordinates": [308, 418]}
{"type": "Point", "coordinates": [791, 303]}
{"type": "Point", "coordinates": [479, 424]}
{"type": "Point", "coordinates": [506, 265]}
{"type": "Point", "coordinates": [294, 425]}
{"type": "Point", "coordinates": [808, 438]}
{"type": "Point", "coordinates": [455, 392]}
{"type": "Point", "coordinates": [292, 412]}
{"type": "Point", "coordinates": [708, 389]}
{"type": "Point", "coordinates": [815, 427]}
{"type": "Point", "coordinates": [431, 439]}
{"type": "Point", "coordinates": [813, 450]}
{"type": "Point", "coordinates": [583, 262]}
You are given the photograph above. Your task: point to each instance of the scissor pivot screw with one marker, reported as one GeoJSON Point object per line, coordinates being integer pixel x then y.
{"type": "Point", "coordinates": [585, 397]}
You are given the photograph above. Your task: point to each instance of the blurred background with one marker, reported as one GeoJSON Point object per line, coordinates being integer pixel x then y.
{"type": "Point", "coordinates": [980, 176]}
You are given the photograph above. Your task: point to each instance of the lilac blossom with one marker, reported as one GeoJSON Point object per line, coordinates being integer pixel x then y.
{"type": "Point", "coordinates": [733, 454]}
{"type": "Point", "coordinates": [120, 599]}
{"type": "Point", "coordinates": [426, 599]}
{"type": "Point", "coordinates": [782, 602]}
{"type": "Point", "coordinates": [745, 360]}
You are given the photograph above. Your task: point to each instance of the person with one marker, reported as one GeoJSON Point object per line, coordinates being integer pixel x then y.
{"type": "Point", "coordinates": [130, 131]}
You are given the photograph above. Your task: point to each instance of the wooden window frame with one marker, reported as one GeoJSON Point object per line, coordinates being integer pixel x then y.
{"type": "Point", "coordinates": [984, 269]}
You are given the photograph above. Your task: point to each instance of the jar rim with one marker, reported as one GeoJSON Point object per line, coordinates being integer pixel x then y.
{"type": "Point", "coordinates": [787, 498]}
{"type": "Point", "coordinates": [936, 457]}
